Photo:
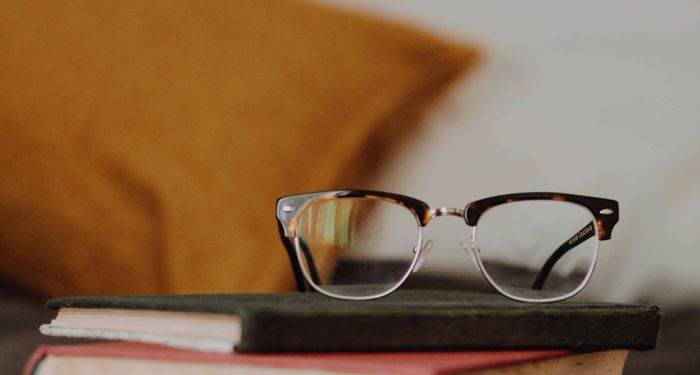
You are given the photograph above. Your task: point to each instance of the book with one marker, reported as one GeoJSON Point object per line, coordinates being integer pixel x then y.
{"type": "Point", "coordinates": [310, 322]}
{"type": "Point", "coordinates": [133, 358]}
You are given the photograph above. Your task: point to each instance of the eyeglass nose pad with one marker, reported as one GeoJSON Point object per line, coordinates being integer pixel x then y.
{"type": "Point", "coordinates": [468, 249]}
{"type": "Point", "coordinates": [424, 250]}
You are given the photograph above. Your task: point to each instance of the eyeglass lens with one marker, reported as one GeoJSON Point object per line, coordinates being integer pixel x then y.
{"type": "Point", "coordinates": [360, 246]}
{"type": "Point", "coordinates": [538, 249]}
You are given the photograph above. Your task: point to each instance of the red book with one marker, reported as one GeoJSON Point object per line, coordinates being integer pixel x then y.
{"type": "Point", "coordinates": [127, 358]}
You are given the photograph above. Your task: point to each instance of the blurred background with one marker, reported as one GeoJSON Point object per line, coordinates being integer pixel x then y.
{"type": "Point", "coordinates": [143, 145]}
{"type": "Point", "coordinates": [596, 98]}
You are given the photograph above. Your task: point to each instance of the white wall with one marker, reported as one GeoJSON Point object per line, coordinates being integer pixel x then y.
{"type": "Point", "coordinates": [597, 98]}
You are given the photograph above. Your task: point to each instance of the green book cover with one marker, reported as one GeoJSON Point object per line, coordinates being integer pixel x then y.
{"type": "Point", "coordinates": [406, 320]}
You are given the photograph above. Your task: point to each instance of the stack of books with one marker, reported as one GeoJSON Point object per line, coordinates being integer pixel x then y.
{"type": "Point", "coordinates": [408, 332]}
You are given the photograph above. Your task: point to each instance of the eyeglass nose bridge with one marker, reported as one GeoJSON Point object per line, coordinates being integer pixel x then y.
{"type": "Point", "coordinates": [446, 211]}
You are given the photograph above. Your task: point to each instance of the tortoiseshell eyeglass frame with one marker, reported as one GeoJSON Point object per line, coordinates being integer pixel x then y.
{"type": "Point", "coordinates": [604, 211]}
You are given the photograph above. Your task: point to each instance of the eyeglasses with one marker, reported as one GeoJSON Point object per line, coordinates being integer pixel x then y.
{"type": "Point", "coordinates": [357, 244]}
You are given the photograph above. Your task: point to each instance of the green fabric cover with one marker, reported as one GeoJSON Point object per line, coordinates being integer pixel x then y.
{"type": "Point", "coordinates": [408, 320]}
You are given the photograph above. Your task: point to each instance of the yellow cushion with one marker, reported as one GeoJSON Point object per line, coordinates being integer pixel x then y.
{"type": "Point", "coordinates": [143, 144]}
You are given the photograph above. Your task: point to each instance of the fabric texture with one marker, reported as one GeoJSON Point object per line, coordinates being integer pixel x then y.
{"type": "Point", "coordinates": [143, 144]}
{"type": "Point", "coordinates": [404, 320]}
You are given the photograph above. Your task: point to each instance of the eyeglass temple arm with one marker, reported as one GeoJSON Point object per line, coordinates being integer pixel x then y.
{"type": "Point", "coordinates": [585, 233]}
{"type": "Point", "coordinates": [296, 267]}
